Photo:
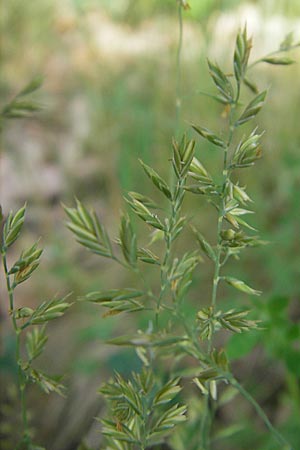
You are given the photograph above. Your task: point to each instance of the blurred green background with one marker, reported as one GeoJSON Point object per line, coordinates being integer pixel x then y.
{"type": "Point", "coordinates": [109, 98]}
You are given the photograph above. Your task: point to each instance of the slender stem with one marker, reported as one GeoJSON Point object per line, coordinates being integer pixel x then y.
{"type": "Point", "coordinates": [274, 53]}
{"type": "Point", "coordinates": [217, 269]}
{"type": "Point", "coordinates": [191, 334]}
{"type": "Point", "coordinates": [206, 423]}
{"type": "Point", "coordinates": [135, 270]}
{"type": "Point", "coordinates": [222, 205]}
{"type": "Point", "coordinates": [178, 67]}
{"type": "Point", "coordinates": [21, 376]}
{"type": "Point", "coordinates": [208, 410]}
{"type": "Point", "coordinates": [261, 413]}
{"type": "Point", "coordinates": [147, 286]}
{"type": "Point", "coordinates": [9, 289]}
{"type": "Point", "coordinates": [119, 261]}
{"type": "Point", "coordinates": [22, 387]}
{"type": "Point", "coordinates": [165, 265]}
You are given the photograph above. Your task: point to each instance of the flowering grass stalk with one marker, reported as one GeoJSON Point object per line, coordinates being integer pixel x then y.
{"type": "Point", "coordinates": [131, 423]}
{"type": "Point", "coordinates": [28, 324]}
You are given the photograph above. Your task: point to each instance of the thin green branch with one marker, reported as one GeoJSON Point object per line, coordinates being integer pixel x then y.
{"type": "Point", "coordinates": [21, 376]}
{"type": "Point", "coordinates": [274, 53]}
{"type": "Point", "coordinates": [119, 261]}
{"type": "Point", "coordinates": [9, 289]}
{"type": "Point", "coordinates": [178, 67]}
{"type": "Point", "coordinates": [166, 262]}
{"type": "Point", "coordinates": [260, 413]}
{"type": "Point", "coordinates": [218, 264]}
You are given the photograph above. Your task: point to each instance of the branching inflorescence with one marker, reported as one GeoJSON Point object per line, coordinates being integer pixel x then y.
{"type": "Point", "coordinates": [146, 410]}
{"type": "Point", "coordinates": [132, 423]}
{"type": "Point", "coordinates": [29, 325]}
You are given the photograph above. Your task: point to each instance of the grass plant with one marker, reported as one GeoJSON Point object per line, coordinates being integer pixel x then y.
{"type": "Point", "coordinates": [28, 324]}
{"type": "Point", "coordinates": [148, 410]}
{"type": "Point", "coordinates": [173, 401]}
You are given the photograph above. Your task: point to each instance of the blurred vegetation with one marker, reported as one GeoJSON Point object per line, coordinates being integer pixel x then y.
{"type": "Point", "coordinates": [108, 99]}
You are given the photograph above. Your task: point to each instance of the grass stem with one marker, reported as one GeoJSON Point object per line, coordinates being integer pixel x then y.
{"type": "Point", "coordinates": [21, 376]}
{"type": "Point", "coordinates": [278, 436]}
{"type": "Point", "coordinates": [178, 69]}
